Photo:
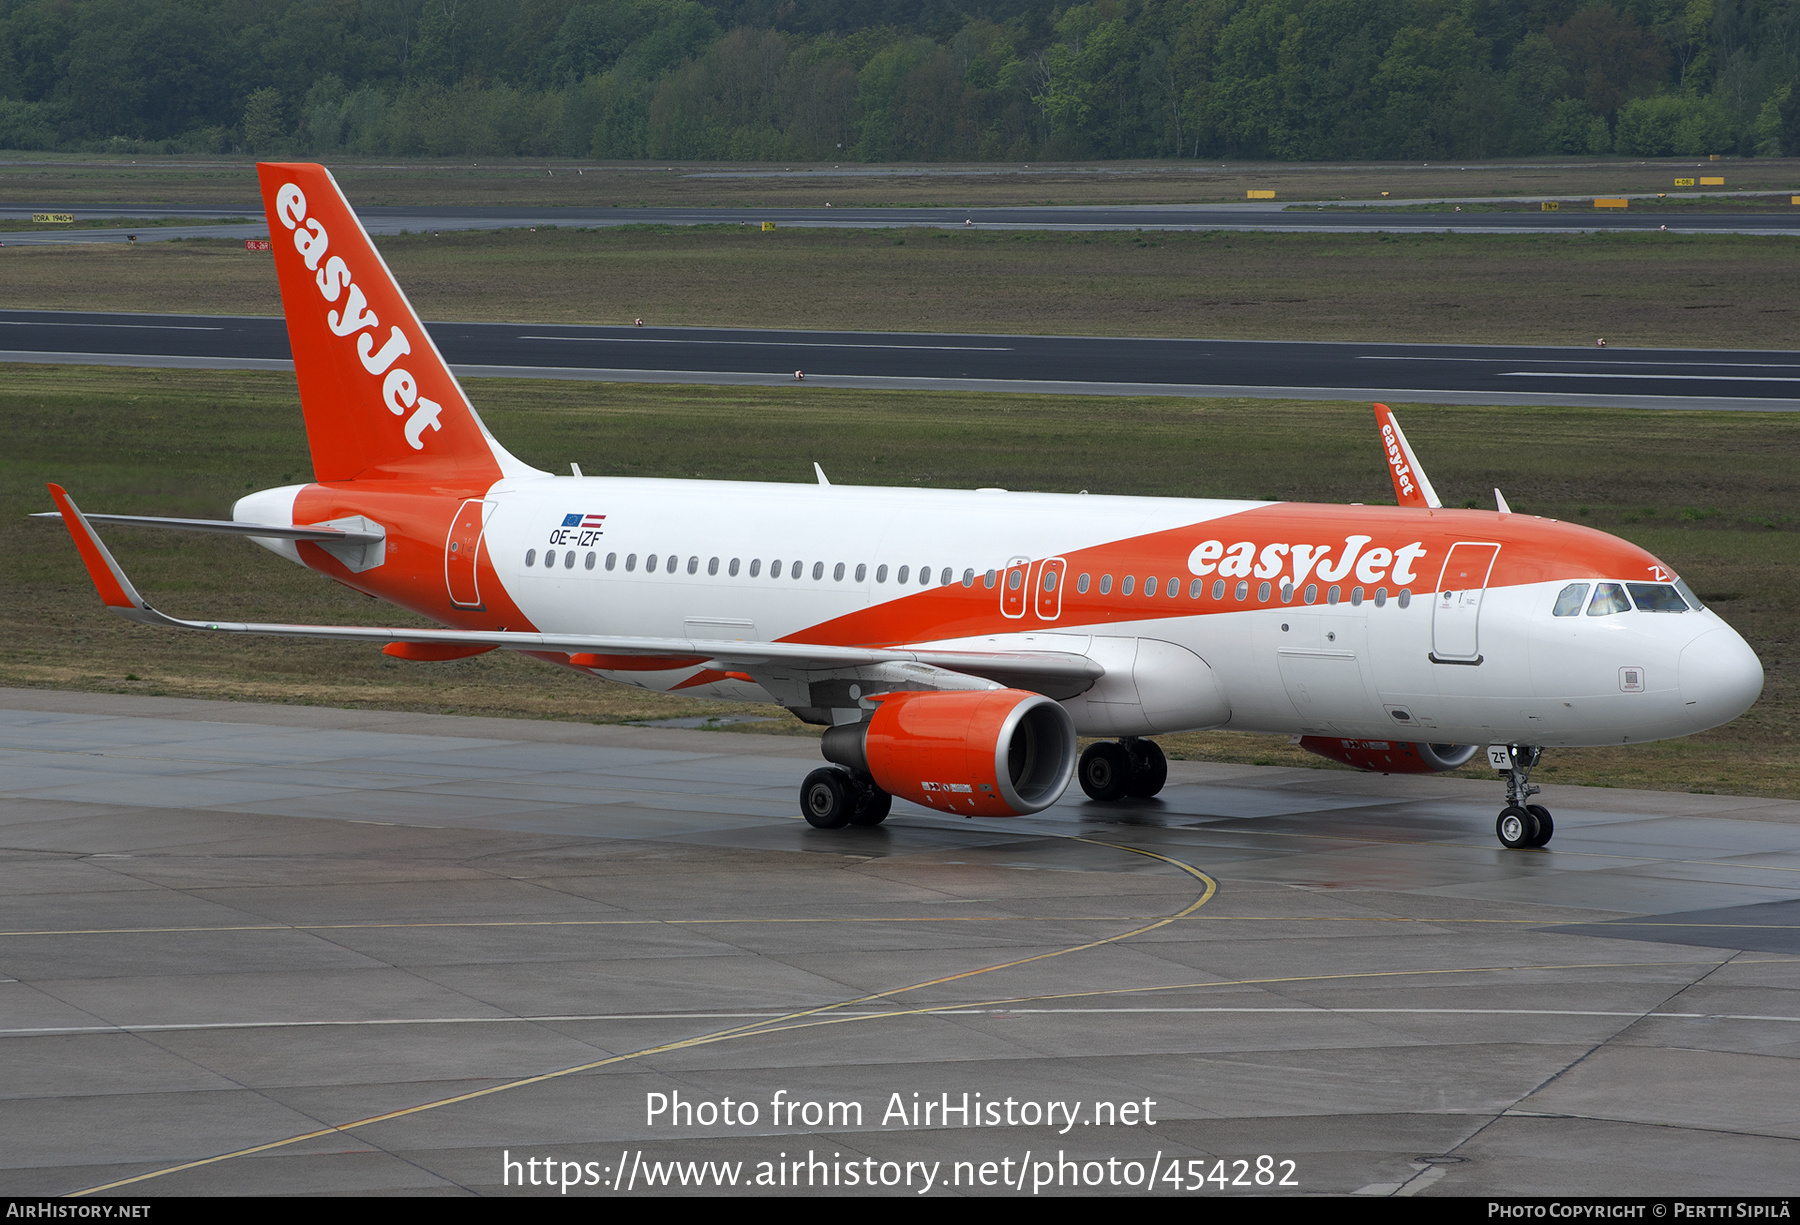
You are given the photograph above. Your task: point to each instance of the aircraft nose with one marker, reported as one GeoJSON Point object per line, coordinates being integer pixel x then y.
{"type": "Point", "coordinates": [1720, 677]}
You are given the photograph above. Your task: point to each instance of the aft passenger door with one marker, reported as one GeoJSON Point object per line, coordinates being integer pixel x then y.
{"type": "Point", "coordinates": [1456, 614]}
{"type": "Point", "coordinates": [461, 551]}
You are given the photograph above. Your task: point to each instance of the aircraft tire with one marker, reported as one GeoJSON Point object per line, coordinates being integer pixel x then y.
{"type": "Point", "coordinates": [1105, 771]}
{"type": "Point", "coordinates": [1149, 769]}
{"type": "Point", "coordinates": [1516, 827]}
{"type": "Point", "coordinates": [1546, 825]}
{"type": "Point", "coordinates": [827, 798]}
{"type": "Point", "coordinates": [872, 807]}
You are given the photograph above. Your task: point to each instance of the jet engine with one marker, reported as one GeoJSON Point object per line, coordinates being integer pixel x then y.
{"type": "Point", "coordinates": [987, 753]}
{"type": "Point", "coordinates": [1391, 756]}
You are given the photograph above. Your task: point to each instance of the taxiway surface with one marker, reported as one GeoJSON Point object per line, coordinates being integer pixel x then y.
{"type": "Point", "coordinates": [1097, 365]}
{"type": "Point", "coordinates": [262, 949]}
{"type": "Point", "coordinates": [1325, 218]}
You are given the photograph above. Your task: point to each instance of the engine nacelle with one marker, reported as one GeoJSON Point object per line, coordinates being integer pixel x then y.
{"type": "Point", "coordinates": [1391, 756]}
{"type": "Point", "coordinates": [988, 753]}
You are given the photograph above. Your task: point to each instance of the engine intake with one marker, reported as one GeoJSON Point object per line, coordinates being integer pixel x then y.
{"type": "Point", "coordinates": [989, 753]}
{"type": "Point", "coordinates": [1391, 756]}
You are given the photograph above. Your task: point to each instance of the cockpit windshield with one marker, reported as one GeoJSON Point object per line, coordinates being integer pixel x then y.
{"type": "Point", "coordinates": [1656, 597]}
{"type": "Point", "coordinates": [1609, 598]}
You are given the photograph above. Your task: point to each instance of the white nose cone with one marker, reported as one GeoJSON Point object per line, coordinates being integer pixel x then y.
{"type": "Point", "coordinates": [1720, 678]}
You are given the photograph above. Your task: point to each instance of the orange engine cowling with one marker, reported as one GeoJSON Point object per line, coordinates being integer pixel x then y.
{"type": "Point", "coordinates": [986, 753]}
{"type": "Point", "coordinates": [1391, 756]}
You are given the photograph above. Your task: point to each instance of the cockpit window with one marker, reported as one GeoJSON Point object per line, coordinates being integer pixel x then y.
{"type": "Point", "coordinates": [1569, 600]}
{"type": "Point", "coordinates": [1656, 597]}
{"type": "Point", "coordinates": [1687, 593]}
{"type": "Point", "coordinates": [1608, 598]}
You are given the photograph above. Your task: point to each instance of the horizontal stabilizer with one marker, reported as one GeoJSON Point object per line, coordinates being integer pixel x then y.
{"type": "Point", "coordinates": [231, 527]}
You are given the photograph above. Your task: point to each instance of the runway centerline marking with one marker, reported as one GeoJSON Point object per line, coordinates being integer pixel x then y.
{"type": "Point", "coordinates": [768, 344]}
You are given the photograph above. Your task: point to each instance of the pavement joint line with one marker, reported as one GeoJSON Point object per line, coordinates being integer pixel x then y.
{"type": "Point", "coordinates": [834, 919]}
{"type": "Point", "coordinates": [68, 1030]}
{"type": "Point", "coordinates": [1208, 889]}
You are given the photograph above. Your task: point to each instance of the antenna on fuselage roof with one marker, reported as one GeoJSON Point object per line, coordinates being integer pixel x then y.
{"type": "Point", "coordinates": [1411, 486]}
{"type": "Point", "coordinates": [821, 473]}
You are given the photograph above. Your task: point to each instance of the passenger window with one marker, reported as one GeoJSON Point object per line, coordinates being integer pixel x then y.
{"type": "Point", "coordinates": [881, 574]}
{"type": "Point", "coordinates": [1106, 584]}
{"type": "Point", "coordinates": [1405, 596]}
{"type": "Point", "coordinates": [1609, 598]}
{"type": "Point", "coordinates": [1656, 597]}
{"type": "Point", "coordinates": [924, 576]}
{"type": "Point", "coordinates": [755, 566]}
{"type": "Point", "coordinates": [862, 571]}
{"type": "Point", "coordinates": [531, 557]}
{"type": "Point", "coordinates": [1150, 585]}
{"type": "Point", "coordinates": [1195, 588]}
{"type": "Point", "coordinates": [589, 564]}
{"type": "Point", "coordinates": [1356, 597]}
{"type": "Point", "coordinates": [1243, 589]}
{"type": "Point", "coordinates": [693, 565]}
{"type": "Point", "coordinates": [1569, 600]}
{"type": "Point", "coordinates": [775, 568]}
{"type": "Point", "coordinates": [1081, 584]}
{"type": "Point", "coordinates": [901, 576]}
{"type": "Point", "coordinates": [712, 567]}
{"type": "Point", "coordinates": [1049, 583]}
{"type": "Point", "coordinates": [968, 578]}
{"type": "Point", "coordinates": [630, 562]}
{"type": "Point", "coordinates": [650, 564]}
{"type": "Point", "coordinates": [1331, 597]}
{"type": "Point", "coordinates": [818, 571]}
{"type": "Point", "coordinates": [612, 559]}
{"type": "Point", "coordinates": [1126, 584]}
{"type": "Point", "coordinates": [990, 576]}
{"type": "Point", "coordinates": [1262, 593]}
{"type": "Point", "coordinates": [795, 569]}
{"type": "Point", "coordinates": [946, 576]}
{"type": "Point", "coordinates": [1012, 580]}
{"type": "Point", "coordinates": [732, 569]}
{"type": "Point", "coordinates": [837, 573]}
{"type": "Point", "coordinates": [1312, 593]}
{"type": "Point", "coordinates": [1381, 597]}
{"type": "Point", "coordinates": [1218, 589]}
{"type": "Point", "coordinates": [1287, 591]}
{"type": "Point", "coordinates": [569, 560]}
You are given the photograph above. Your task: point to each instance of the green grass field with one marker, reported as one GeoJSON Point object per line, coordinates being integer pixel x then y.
{"type": "Point", "coordinates": [1713, 494]}
{"type": "Point", "coordinates": [1648, 289]}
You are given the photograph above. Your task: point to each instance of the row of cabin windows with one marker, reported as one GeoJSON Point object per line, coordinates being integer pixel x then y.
{"type": "Point", "coordinates": [672, 564]}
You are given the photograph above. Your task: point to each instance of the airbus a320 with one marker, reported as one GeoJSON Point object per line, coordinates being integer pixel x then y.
{"type": "Point", "coordinates": [955, 645]}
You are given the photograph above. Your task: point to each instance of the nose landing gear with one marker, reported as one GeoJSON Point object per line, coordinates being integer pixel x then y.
{"type": "Point", "coordinates": [1521, 825]}
{"type": "Point", "coordinates": [1117, 769]}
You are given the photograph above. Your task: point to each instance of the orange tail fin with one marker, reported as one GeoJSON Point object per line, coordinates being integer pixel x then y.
{"type": "Point", "coordinates": [380, 402]}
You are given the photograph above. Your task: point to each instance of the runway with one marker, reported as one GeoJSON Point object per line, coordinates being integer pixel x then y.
{"type": "Point", "coordinates": [1280, 217]}
{"type": "Point", "coordinates": [263, 949]}
{"type": "Point", "coordinates": [1478, 374]}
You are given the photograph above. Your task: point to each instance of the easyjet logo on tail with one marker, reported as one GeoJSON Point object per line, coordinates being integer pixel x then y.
{"type": "Point", "coordinates": [1396, 456]}
{"type": "Point", "coordinates": [399, 389]}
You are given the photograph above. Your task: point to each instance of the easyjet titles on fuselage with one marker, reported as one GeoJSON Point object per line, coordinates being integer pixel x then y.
{"type": "Point", "coordinates": [1245, 560]}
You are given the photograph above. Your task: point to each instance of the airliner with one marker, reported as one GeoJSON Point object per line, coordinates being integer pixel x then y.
{"type": "Point", "coordinates": [955, 645]}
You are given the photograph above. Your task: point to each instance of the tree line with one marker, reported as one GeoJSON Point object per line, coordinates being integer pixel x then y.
{"type": "Point", "coordinates": [903, 80]}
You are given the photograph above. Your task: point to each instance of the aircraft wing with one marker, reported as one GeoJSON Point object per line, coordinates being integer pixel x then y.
{"type": "Point", "coordinates": [1411, 486]}
{"type": "Point", "coordinates": [1065, 673]}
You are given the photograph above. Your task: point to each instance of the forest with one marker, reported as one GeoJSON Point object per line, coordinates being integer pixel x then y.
{"type": "Point", "coordinates": [903, 80]}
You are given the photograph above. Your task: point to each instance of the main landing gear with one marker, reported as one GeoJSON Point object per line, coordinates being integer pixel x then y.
{"type": "Point", "coordinates": [832, 797]}
{"type": "Point", "coordinates": [1520, 825]}
{"type": "Point", "coordinates": [1117, 769]}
